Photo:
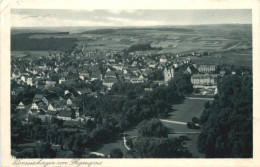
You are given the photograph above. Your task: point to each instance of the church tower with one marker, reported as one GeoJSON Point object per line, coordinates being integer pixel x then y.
{"type": "Point", "coordinates": [168, 73]}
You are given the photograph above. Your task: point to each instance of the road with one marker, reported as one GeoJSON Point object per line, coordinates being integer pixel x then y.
{"type": "Point", "coordinates": [174, 122]}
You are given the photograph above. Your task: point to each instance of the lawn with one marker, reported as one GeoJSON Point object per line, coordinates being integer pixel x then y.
{"type": "Point", "coordinates": [187, 110]}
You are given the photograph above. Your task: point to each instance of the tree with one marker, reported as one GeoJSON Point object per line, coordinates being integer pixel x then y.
{"type": "Point", "coordinates": [227, 123]}
{"type": "Point", "coordinates": [152, 128]}
{"type": "Point", "coordinates": [78, 147]}
{"type": "Point", "coordinates": [116, 153]}
{"type": "Point", "coordinates": [160, 148]}
{"type": "Point", "coordinates": [45, 150]}
{"type": "Point", "coordinates": [73, 114]}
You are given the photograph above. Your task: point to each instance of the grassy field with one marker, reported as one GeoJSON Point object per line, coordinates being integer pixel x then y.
{"type": "Point", "coordinates": [185, 112]}
{"type": "Point", "coordinates": [243, 58]}
{"type": "Point", "coordinates": [188, 109]}
{"type": "Point", "coordinates": [34, 54]}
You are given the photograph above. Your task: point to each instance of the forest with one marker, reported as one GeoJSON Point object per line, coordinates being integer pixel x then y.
{"type": "Point", "coordinates": [23, 42]}
{"type": "Point", "coordinates": [227, 121]}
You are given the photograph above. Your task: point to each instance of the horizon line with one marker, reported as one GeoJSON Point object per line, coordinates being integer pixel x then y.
{"type": "Point", "coordinates": [137, 26]}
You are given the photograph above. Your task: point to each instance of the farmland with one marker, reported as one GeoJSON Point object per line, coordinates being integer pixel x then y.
{"type": "Point", "coordinates": [175, 39]}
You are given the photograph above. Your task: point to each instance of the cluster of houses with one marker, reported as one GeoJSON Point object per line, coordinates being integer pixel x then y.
{"type": "Point", "coordinates": [57, 69]}
{"type": "Point", "coordinates": [64, 107]}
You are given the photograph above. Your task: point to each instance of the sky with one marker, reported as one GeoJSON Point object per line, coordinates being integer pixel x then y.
{"type": "Point", "coordinates": [120, 18]}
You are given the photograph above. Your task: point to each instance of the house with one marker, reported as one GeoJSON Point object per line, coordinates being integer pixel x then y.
{"type": "Point", "coordinates": [45, 100]}
{"type": "Point", "coordinates": [62, 80]}
{"type": "Point", "coordinates": [163, 59]}
{"type": "Point", "coordinates": [59, 105]}
{"type": "Point", "coordinates": [37, 98]}
{"type": "Point", "coordinates": [23, 78]}
{"type": "Point", "coordinates": [175, 64]}
{"type": "Point", "coordinates": [66, 92]}
{"type": "Point", "coordinates": [29, 81]}
{"type": "Point", "coordinates": [42, 105]}
{"type": "Point", "coordinates": [160, 82]}
{"type": "Point", "coordinates": [151, 64]}
{"type": "Point", "coordinates": [127, 76]}
{"type": "Point", "coordinates": [109, 82]}
{"type": "Point", "coordinates": [118, 67]}
{"type": "Point", "coordinates": [222, 73]}
{"type": "Point", "coordinates": [69, 102]}
{"type": "Point", "coordinates": [136, 80]}
{"type": "Point", "coordinates": [51, 108]}
{"type": "Point", "coordinates": [142, 77]}
{"type": "Point", "coordinates": [83, 75]}
{"type": "Point", "coordinates": [111, 60]}
{"type": "Point", "coordinates": [50, 84]}
{"type": "Point", "coordinates": [56, 69]}
{"type": "Point", "coordinates": [65, 114]}
{"type": "Point", "coordinates": [96, 76]}
{"type": "Point", "coordinates": [51, 113]}
{"type": "Point", "coordinates": [148, 89]}
{"type": "Point", "coordinates": [110, 74]}
{"type": "Point", "coordinates": [83, 91]}
{"type": "Point", "coordinates": [20, 106]}
{"type": "Point", "coordinates": [34, 106]}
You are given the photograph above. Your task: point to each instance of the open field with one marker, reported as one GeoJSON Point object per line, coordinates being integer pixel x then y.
{"type": "Point", "coordinates": [237, 58]}
{"type": "Point", "coordinates": [188, 109]}
{"type": "Point", "coordinates": [174, 39]}
{"type": "Point", "coordinates": [30, 54]}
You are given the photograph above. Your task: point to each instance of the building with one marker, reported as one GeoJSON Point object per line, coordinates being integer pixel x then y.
{"type": "Point", "coordinates": [34, 106]}
{"type": "Point", "coordinates": [204, 79]}
{"type": "Point", "coordinates": [168, 73]}
{"type": "Point", "coordinates": [163, 59]}
{"type": "Point", "coordinates": [207, 68]}
{"type": "Point", "coordinates": [38, 98]}
{"type": "Point", "coordinates": [62, 80]}
{"type": "Point", "coordinates": [109, 82]}
{"type": "Point", "coordinates": [20, 106]}
{"type": "Point", "coordinates": [83, 75]}
{"type": "Point", "coordinates": [49, 84]}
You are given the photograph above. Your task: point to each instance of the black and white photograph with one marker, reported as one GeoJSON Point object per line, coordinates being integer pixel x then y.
{"type": "Point", "coordinates": [131, 83]}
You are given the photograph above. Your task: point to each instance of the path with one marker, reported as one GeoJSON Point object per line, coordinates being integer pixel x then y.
{"type": "Point", "coordinates": [97, 153]}
{"type": "Point", "coordinates": [125, 142]}
{"type": "Point", "coordinates": [200, 98]}
{"type": "Point", "coordinates": [233, 46]}
{"type": "Point", "coordinates": [174, 122]}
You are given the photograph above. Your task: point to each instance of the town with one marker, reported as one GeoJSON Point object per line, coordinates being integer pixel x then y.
{"type": "Point", "coordinates": [98, 99]}
{"type": "Point", "coordinates": [60, 82]}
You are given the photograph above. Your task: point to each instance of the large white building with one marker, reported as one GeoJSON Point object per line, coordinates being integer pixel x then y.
{"type": "Point", "coordinates": [207, 68]}
{"type": "Point", "coordinates": [204, 79]}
